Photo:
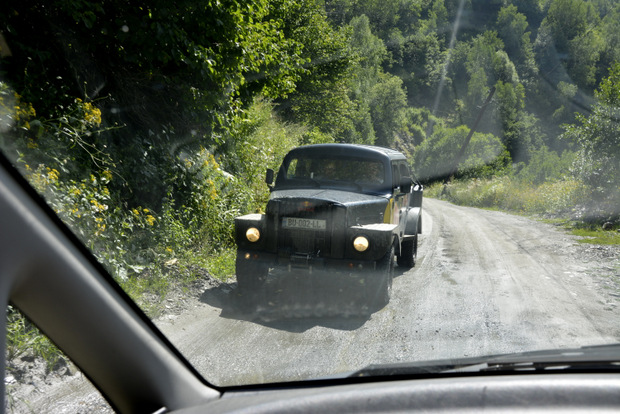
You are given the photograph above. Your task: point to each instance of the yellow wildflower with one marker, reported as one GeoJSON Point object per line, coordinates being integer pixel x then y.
{"type": "Point", "coordinates": [92, 114]}
{"type": "Point", "coordinates": [52, 174]}
{"type": "Point", "coordinates": [97, 206]}
{"type": "Point", "coordinates": [100, 229]}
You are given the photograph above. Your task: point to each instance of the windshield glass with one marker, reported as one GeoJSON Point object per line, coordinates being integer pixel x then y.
{"type": "Point", "coordinates": [490, 226]}
{"type": "Point", "coordinates": [334, 171]}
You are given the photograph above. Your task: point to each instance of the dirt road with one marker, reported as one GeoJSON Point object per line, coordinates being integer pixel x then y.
{"type": "Point", "coordinates": [485, 283]}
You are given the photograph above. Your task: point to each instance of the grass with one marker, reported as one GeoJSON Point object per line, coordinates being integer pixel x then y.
{"type": "Point", "coordinates": [222, 265]}
{"type": "Point", "coordinates": [554, 201]}
{"type": "Point", "coordinates": [151, 286]}
{"type": "Point", "coordinates": [510, 194]}
{"type": "Point", "coordinates": [592, 234]}
{"type": "Point", "coordinates": [23, 338]}
{"type": "Point", "coordinates": [597, 236]}
{"type": "Point", "coordinates": [148, 289]}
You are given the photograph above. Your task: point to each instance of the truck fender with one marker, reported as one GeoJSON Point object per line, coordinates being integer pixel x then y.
{"type": "Point", "coordinates": [414, 221]}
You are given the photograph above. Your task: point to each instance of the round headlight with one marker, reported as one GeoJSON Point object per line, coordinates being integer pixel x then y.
{"type": "Point", "coordinates": [252, 234]}
{"type": "Point", "coordinates": [360, 243]}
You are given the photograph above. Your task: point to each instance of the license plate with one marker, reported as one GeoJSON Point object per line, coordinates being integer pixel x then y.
{"type": "Point", "coordinates": [303, 223]}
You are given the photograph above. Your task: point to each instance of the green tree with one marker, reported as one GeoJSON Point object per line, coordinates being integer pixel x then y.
{"type": "Point", "coordinates": [339, 12]}
{"type": "Point", "coordinates": [566, 19]}
{"type": "Point", "coordinates": [435, 17]}
{"type": "Point", "coordinates": [584, 52]}
{"type": "Point", "coordinates": [434, 159]}
{"type": "Point", "coordinates": [481, 65]}
{"type": "Point", "coordinates": [387, 106]}
{"type": "Point", "coordinates": [383, 15]}
{"type": "Point", "coordinates": [363, 43]}
{"type": "Point", "coordinates": [420, 67]}
{"type": "Point", "coordinates": [610, 33]}
{"type": "Point", "coordinates": [489, 66]}
{"type": "Point", "coordinates": [598, 140]}
{"type": "Point", "coordinates": [568, 40]}
{"type": "Point", "coordinates": [510, 103]}
{"type": "Point", "coordinates": [172, 75]}
{"type": "Point", "coordinates": [370, 52]}
{"type": "Point", "coordinates": [512, 29]}
{"type": "Point", "coordinates": [320, 97]}
{"type": "Point", "coordinates": [532, 9]}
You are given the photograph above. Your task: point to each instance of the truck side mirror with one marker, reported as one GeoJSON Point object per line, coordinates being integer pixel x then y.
{"type": "Point", "coordinates": [405, 185]}
{"type": "Point", "coordinates": [269, 177]}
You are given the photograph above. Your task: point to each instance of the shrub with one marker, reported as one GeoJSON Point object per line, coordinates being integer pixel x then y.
{"type": "Point", "coordinates": [546, 165]}
{"type": "Point", "coordinates": [509, 193]}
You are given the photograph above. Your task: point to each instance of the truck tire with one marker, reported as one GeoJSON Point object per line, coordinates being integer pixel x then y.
{"type": "Point", "coordinates": [379, 283]}
{"type": "Point", "coordinates": [408, 253]}
{"type": "Point", "coordinates": [251, 275]}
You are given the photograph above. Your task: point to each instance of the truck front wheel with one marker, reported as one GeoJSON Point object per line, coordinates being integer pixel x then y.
{"type": "Point", "coordinates": [379, 283]}
{"type": "Point", "coordinates": [251, 275]}
{"type": "Point", "coordinates": [408, 253]}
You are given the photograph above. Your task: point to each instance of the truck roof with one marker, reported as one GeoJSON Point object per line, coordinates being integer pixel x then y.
{"type": "Point", "coordinates": [347, 150]}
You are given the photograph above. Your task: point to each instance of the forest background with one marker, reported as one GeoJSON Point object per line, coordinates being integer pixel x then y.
{"type": "Point", "coordinates": [149, 126]}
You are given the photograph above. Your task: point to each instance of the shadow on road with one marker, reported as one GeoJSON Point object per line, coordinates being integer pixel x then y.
{"type": "Point", "coordinates": [297, 302]}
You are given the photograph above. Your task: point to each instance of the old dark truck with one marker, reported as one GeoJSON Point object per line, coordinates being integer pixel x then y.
{"type": "Point", "coordinates": [335, 208]}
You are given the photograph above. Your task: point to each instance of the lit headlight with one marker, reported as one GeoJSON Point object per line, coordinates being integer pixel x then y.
{"type": "Point", "coordinates": [252, 234]}
{"type": "Point", "coordinates": [360, 243]}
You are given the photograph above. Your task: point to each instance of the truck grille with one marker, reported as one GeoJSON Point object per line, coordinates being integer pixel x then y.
{"type": "Point", "coordinates": [305, 241]}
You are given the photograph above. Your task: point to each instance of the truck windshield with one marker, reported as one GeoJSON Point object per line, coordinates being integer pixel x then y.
{"type": "Point", "coordinates": [357, 171]}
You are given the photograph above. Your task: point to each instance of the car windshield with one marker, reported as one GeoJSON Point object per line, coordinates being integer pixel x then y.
{"type": "Point", "coordinates": [482, 218]}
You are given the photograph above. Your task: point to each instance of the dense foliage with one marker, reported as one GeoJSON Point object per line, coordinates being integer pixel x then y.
{"type": "Point", "coordinates": [598, 139]}
{"type": "Point", "coordinates": [149, 125]}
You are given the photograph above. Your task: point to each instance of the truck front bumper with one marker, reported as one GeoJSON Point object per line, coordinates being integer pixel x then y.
{"type": "Point", "coordinates": [300, 262]}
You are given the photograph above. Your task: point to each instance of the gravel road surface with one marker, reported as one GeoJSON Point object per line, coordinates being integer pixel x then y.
{"type": "Point", "coordinates": [486, 282]}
